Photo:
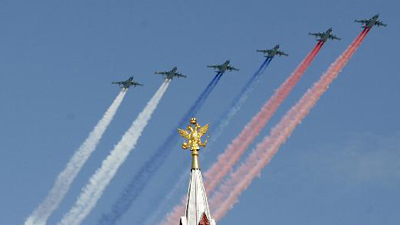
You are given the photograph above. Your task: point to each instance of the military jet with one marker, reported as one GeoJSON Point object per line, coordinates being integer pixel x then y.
{"type": "Point", "coordinates": [171, 74]}
{"type": "Point", "coordinates": [126, 84]}
{"type": "Point", "coordinates": [369, 23]}
{"type": "Point", "coordinates": [270, 53]}
{"type": "Point", "coordinates": [223, 67]}
{"type": "Point", "coordinates": [324, 36]}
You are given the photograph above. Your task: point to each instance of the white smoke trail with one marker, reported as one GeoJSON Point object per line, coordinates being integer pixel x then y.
{"type": "Point", "coordinates": [94, 189]}
{"type": "Point", "coordinates": [67, 176]}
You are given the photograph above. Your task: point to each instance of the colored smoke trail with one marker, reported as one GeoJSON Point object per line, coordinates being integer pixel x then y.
{"type": "Point", "coordinates": [234, 151]}
{"type": "Point", "coordinates": [231, 189]}
{"type": "Point", "coordinates": [67, 176]}
{"type": "Point", "coordinates": [94, 189]}
{"type": "Point", "coordinates": [238, 102]}
{"type": "Point", "coordinates": [220, 124]}
{"type": "Point", "coordinates": [238, 146]}
{"type": "Point", "coordinates": [151, 166]}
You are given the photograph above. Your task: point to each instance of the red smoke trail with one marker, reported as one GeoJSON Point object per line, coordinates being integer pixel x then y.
{"type": "Point", "coordinates": [229, 192]}
{"type": "Point", "coordinates": [234, 151]}
{"type": "Point", "coordinates": [232, 154]}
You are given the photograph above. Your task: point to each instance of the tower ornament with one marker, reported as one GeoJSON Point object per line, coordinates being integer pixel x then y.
{"type": "Point", "coordinates": [193, 135]}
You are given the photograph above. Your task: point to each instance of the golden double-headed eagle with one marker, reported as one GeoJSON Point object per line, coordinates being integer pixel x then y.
{"type": "Point", "coordinates": [193, 134]}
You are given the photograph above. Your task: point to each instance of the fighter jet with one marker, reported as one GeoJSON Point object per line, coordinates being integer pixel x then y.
{"type": "Point", "coordinates": [126, 84]}
{"type": "Point", "coordinates": [171, 74]}
{"type": "Point", "coordinates": [324, 36]}
{"type": "Point", "coordinates": [369, 23]}
{"type": "Point", "coordinates": [223, 67]}
{"type": "Point", "coordinates": [270, 53]}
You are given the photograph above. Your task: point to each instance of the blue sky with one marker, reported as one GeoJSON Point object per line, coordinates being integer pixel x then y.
{"type": "Point", "coordinates": [341, 165]}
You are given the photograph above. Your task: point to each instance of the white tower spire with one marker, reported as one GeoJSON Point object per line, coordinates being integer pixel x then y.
{"type": "Point", "coordinates": [197, 211]}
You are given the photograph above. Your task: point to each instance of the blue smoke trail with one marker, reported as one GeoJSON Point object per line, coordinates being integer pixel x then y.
{"type": "Point", "coordinates": [142, 178]}
{"type": "Point", "coordinates": [237, 103]}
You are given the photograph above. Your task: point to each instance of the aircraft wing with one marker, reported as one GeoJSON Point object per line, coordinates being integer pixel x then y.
{"type": "Point", "coordinates": [214, 66]}
{"type": "Point", "coordinates": [379, 23]}
{"type": "Point", "coordinates": [136, 84]}
{"type": "Point", "coordinates": [361, 21]}
{"type": "Point", "coordinates": [162, 73]}
{"type": "Point", "coordinates": [333, 37]}
{"type": "Point", "coordinates": [119, 83]}
{"type": "Point", "coordinates": [264, 51]}
{"type": "Point", "coordinates": [179, 75]}
{"type": "Point", "coordinates": [280, 53]}
{"type": "Point", "coordinates": [316, 34]}
{"type": "Point", "coordinates": [230, 68]}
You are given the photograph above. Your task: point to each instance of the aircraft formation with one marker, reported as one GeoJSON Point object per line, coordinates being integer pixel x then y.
{"type": "Point", "coordinates": [99, 181]}
{"type": "Point", "coordinates": [268, 53]}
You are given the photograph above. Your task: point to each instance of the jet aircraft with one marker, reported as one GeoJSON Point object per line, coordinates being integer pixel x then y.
{"type": "Point", "coordinates": [270, 53]}
{"type": "Point", "coordinates": [171, 74]}
{"type": "Point", "coordinates": [324, 36]}
{"type": "Point", "coordinates": [223, 67]}
{"type": "Point", "coordinates": [127, 83]}
{"type": "Point", "coordinates": [369, 23]}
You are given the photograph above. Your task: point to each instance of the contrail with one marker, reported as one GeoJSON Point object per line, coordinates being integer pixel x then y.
{"type": "Point", "coordinates": [67, 176]}
{"type": "Point", "coordinates": [151, 166]}
{"type": "Point", "coordinates": [94, 189]}
{"type": "Point", "coordinates": [234, 151]}
{"type": "Point", "coordinates": [230, 190]}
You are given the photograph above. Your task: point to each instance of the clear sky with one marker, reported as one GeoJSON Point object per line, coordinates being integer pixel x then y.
{"type": "Point", "coordinates": [58, 58]}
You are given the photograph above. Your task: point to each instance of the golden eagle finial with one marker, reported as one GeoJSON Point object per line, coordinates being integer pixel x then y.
{"type": "Point", "coordinates": [193, 135]}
